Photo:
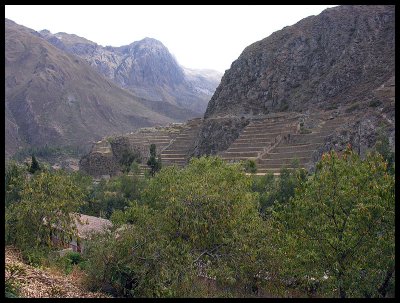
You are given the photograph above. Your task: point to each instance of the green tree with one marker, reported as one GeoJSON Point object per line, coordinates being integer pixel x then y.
{"type": "Point", "coordinates": [127, 159]}
{"type": "Point", "coordinates": [15, 178]}
{"type": "Point", "coordinates": [115, 194]}
{"type": "Point", "coordinates": [34, 165]}
{"type": "Point", "coordinates": [277, 189]}
{"type": "Point", "coordinates": [200, 218]}
{"type": "Point", "coordinates": [250, 166]}
{"type": "Point", "coordinates": [153, 162]}
{"type": "Point", "coordinates": [46, 201]}
{"type": "Point", "coordinates": [382, 146]}
{"type": "Point", "coordinates": [339, 229]}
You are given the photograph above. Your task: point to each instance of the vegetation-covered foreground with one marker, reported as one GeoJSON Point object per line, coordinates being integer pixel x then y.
{"type": "Point", "coordinates": [210, 230]}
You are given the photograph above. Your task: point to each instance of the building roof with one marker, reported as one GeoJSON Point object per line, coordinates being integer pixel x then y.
{"type": "Point", "coordinates": [89, 224]}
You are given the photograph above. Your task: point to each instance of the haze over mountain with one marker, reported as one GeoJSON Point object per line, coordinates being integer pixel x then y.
{"type": "Point", "coordinates": [56, 98]}
{"type": "Point", "coordinates": [55, 95]}
{"type": "Point", "coordinates": [146, 67]}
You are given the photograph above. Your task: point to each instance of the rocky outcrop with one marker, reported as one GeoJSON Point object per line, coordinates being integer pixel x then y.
{"type": "Point", "coordinates": [322, 61]}
{"type": "Point", "coordinates": [341, 59]}
{"type": "Point", "coordinates": [217, 134]}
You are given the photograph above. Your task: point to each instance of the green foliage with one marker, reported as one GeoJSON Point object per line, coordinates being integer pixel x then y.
{"type": "Point", "coordinates": [250, 166]}
{"type": "Point", "coordinates": [304, 130]}
{"type": "Point", "coordinates": [128, 158]}
{"type": "Point", "coordinates": [375, 103]}
{"type": "Point", "coordinates": [202, 214]}
{"type": "Point", "coordinates": [339, 228]}
{"type": "Point", "coordinates": [15, 178]}
{"type": "Point", "coordinates": [12, 286]}
{"type": "Point", "coordinates": [35, 256]}
{"type": "Point", "coordinates": [69, 260]}
{"type": "Point", "coordinates": [34, 165]}
{"type": "Point", "coordinates": [382, 146]}
{"type": "Point", "coordinates": [277, 190]}
{"type": "Point", "coordinates": [45, 201]}
{"type": "Point", "coordinates": [48, 152]}
{"type": "Point", "coordinates": [115, 194]}
{"type": "Point", "coordinates": [152, 162]}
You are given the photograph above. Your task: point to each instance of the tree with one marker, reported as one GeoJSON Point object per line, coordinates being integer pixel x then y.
{"type": "Point", "coordinates": [115, 194]}
{"type": "Point", "coordinates": [277, 189]}
{"type": "Point", "coordinates": [34, 165]}
{"type": "Point", "coordinates": [15, 178]}
{"type": "Point", "coordinates": [153, 163]}
{"type": "Point", "coordinates": [250, 166]}
{"type": "Point", "coordinates": [46, 201]}
{"type": "Point", "coordinates": [338, 230]}
{"type": "Point", "coordinates": [202, 218]}
{"type": "Point", "coordinates": [382, 146]}
{"type": "Point", "coordinates": [128, 157]}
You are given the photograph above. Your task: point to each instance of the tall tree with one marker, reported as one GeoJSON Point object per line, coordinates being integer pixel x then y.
{"type": "Point", "coordinates": [339, 229]}
{"type": "Point", "coordinates": [34, 165]}
{"type": "Point", "coordinates": [153, 162]}
{"type": "Point", "coordinates": [45, 202]}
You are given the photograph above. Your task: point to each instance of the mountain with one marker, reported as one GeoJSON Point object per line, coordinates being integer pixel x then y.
{"type": "Point", "coordinates": [56, 98]}
{"type": "Point", "coordinates": [339, 63]}
{"type": "Point", "coordinates": [321, 84]}
{"type": "Point", "coordinates": [322, 61]}
{"type": "Point", "coordinates": [146, 67]}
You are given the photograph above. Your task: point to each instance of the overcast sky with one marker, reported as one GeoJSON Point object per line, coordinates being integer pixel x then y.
{"type": "Point", "coordinates": [206, 36]}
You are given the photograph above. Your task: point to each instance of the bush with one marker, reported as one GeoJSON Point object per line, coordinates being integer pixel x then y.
{"type": "Point", "coordinates": [250, 166]}
{"type": "Point", "coordinates": [374, 103]}
{"type": "Point", "coordinates": [12, 286]}
{"type": "Point", "coordinates": [35, 256]}
{"type": "Point", "coordinates": [304, 130]}
{"type": "Point", "coordinates": [69, 260]}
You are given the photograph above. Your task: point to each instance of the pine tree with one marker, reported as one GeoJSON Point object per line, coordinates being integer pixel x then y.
{"type": "Point", "coordinates": [153, 163]}
{"type": "Point", "coordinates": [34, 165]}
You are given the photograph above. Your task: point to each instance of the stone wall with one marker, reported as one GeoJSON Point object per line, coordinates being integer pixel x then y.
{"type": "Point", "coordinates": [217, 134]}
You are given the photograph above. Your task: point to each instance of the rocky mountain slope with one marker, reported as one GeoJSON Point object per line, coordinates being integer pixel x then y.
{"type": "Point", "coordinates": [145, 67]}
{"type": "Point", "coordinates": [56, 98]}
{"type": "Point", "coordinates": [340, 59]}
{"type": "Point", "coordinates": [322, 61]}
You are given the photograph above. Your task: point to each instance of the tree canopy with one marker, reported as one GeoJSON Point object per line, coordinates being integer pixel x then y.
{"type": "Point", "coordinates": [338, 230]}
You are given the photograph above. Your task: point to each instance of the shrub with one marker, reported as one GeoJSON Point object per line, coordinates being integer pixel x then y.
{"type": "Point", "coordinates": [250, 166]}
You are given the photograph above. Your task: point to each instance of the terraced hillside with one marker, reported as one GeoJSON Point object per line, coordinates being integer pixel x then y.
{"type": "Point", "coordinates": [283, 140]}
{"type": "Point", "coordinates": [172, 143]}
{"type": "Point", "coordinates": [296, 149]}
{"type": "Point", "coordinates": [260, 136]}
{"type": "Point", "coordinates": [178, 151]}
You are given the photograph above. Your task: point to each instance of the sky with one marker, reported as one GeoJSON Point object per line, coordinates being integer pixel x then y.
{"type": "Point", "coordinates": [199, 36]}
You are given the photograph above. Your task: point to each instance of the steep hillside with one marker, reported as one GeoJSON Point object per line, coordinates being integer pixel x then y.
{"type": "Point", "coordinates": [43, 283]}
{"type": "Point", "coordinates": [342, 59]}
{"type": "Point", "coordinates": [323, 61]}
{"type": "Point", "coordinates": [56, 98]}
{"type": "Point", "coordinates": [145, 67]}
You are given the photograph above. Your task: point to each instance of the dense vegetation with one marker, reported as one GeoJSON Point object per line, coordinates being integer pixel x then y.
{"type": "Point", "coordinates": [211, 230]}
